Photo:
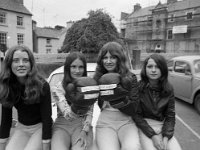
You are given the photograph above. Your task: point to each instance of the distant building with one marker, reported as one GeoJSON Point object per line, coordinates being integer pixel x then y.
{"type": "Point", "coordinates": [47, 39]}
{"type": "Point", "coordinates": [170, 27]}
{"type": "Point", "coordinates": [15, 24]}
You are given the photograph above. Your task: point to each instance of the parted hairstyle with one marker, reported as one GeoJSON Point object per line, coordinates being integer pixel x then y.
{"type": "Point", "coordinates": [162, 65]}
{"type": "Point", "coordinates": [9, 85]}
{"type": "Point", "coordinates": [115, 49]}
{"type": "Point", "coordinates": [68, 61]}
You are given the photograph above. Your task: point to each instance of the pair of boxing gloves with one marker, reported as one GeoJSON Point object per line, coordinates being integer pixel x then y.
{"type": "Point", "coordinates": [84, 91]}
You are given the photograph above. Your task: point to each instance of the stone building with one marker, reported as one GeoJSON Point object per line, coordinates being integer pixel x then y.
{"type": "Point", "coordinates": [171, 27]}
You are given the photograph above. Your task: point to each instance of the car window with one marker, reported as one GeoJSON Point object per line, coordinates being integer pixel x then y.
{"type": "Point", "coordinates": [182, 67]}
{"type": "Point", "coordinates": [197, 66]}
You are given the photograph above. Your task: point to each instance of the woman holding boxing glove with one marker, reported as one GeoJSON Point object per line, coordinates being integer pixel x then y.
{"type": "Point", "coordinates": [72, 128]}
{"type": "Point", "coordinates": [156, 111]}
{"type": "Point", "coordinates": [23, 88]}
{"type": "Point", "coordinates": [115, 129]}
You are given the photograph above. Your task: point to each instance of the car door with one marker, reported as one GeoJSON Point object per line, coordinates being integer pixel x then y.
{"type": "Point", "coordinates": [181, 79]}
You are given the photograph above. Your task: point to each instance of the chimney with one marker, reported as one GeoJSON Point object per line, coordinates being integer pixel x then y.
{"type": "Point", "coordinates": [137, 7]}
{"type": "Point", "coordinates": [20, 1]}
{"type": "Point", "coordinates": [34, 24]}
{"type": "Point", "coordinates": [69, 24]}
{"type": "Point", "coordinates": [171, 1]}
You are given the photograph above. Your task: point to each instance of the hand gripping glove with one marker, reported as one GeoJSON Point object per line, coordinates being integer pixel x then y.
{"type": "Point", "coordinates": [83, 93]}
{"type": "Point", "coordinates": [111, 90]}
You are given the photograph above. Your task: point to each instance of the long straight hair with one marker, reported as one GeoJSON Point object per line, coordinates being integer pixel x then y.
{"type": "Point", "coordinates": [33, 83]}
{"type": "Point", "coordinates": [115, 49]}
{"type": "Point", "coordinates": [162, 65]}
{"type": "Point", "coordinates": [68, 61]}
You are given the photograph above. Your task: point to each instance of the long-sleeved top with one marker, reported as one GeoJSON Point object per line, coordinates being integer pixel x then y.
{"type": "Point", "coordinates": [64, 109]}
{"type": "Point", "coordinates": [157, 106]}
{"type": "Point", "coordinates": [29, 114]}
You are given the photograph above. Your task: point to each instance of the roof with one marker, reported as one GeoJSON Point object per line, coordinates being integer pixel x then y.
{"type": "Point", "coordinates": [142, 12]}
{"type": "Point", "coordinates": [48, 32]}
{"type": "Point", "coordinates": [188, 58]}
{"type": "Point", "coordinates": [179, 5]}
{"type": "Point", "coordinates": [12, 5]}
{"type": "Point", "coordinates": [185, 4]}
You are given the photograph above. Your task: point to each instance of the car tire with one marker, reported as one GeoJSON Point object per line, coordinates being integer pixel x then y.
{"type": "Point", "coordinates": [197, 103]}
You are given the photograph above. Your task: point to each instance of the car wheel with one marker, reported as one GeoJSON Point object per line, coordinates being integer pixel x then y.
{"type": "Point", "coordinates": [197, 103]}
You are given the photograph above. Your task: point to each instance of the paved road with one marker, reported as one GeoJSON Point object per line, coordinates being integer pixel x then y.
{"type": "Point", "coordinates": [187, 129]}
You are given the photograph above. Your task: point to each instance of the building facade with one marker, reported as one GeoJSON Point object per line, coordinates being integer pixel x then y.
{"type": "Point", "coordinates": [172, 27]}
{"type": "Point", "coordinates": [15, 24]}
{"type": "Point", "coordinates": [49, 40]}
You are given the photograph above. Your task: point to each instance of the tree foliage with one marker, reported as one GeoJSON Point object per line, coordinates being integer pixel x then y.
{"type": "Point", "coordinates": [89, 34]}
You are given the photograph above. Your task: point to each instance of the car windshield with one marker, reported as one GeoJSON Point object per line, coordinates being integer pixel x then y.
{"type": "Point", "coordinates": [56, 78]}
{"type": "Point", "coordinates": [197, 66]}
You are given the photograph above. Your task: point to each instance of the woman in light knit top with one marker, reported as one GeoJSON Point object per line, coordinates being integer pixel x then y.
{"type": "Point", "coordinates": [71, 129]}
{"type": "Point", "coordinates": [21, 87]}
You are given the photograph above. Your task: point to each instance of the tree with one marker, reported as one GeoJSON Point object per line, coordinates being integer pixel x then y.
{"type": "Point", "coordinates": [89, 34]}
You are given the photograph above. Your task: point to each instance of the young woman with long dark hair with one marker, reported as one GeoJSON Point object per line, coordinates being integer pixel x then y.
{"type": "Point", "coordinates": [23, 88]}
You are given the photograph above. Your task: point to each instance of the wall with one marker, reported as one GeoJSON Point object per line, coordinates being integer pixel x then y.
{"type": "Point", "coordinates": [12, 29]}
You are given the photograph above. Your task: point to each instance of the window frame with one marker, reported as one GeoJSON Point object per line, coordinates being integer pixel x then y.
{"type": "Point", "coordinates": [20, 21]}
{"type": "Point", "coordinates": [3, 39]}
{"type": "Point", "coordinates": [171, 17]}
{"type": "Point", "coordinates": [48, 41]}
{"type": "Point", "coordinates": [48, 50]}
{"type": "Point", "coordinates": [191, 16]}
{"type": "Point", "coordinates": [180, 67]}
{"type": "Point", "coordinates": [20, 38]}
{"type": "Point", "coordinates": [4, 18]}
{"type": "Point", "coordinates": [170, 30]}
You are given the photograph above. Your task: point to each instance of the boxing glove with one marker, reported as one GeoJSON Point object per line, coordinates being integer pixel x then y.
{"type": "Point", "coordinates": [83, 92]}
{"type": "Point", "coordinates": [112, 91]}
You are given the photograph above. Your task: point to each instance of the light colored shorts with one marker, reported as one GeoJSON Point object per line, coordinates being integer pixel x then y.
{"type": "Point", "coordinates": [113, 119]}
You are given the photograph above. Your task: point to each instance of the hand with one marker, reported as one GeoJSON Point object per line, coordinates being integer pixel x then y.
{"type": "Point", "coordinates": [158, 142]}
{"type": "Point", "coordinates": [165, 142]}
{"type": "Point", "coordinates": [46, 146]}
{"type": "Point", "coordinates": [81, 140]}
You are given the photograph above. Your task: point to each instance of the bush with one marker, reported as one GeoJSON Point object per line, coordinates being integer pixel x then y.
{"type": "Point", "coordinates": [46, 69]}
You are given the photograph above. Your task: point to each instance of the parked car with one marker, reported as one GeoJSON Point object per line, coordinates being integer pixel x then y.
{"type": "Point", "coordinates": [184, 75]}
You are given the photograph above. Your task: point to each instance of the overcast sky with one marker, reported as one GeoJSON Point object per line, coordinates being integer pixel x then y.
{"type": "Point", "coordinates": [58, 12]}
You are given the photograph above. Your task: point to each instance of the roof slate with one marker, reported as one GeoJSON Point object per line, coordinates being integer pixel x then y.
{"type": "Point", "coordinates": [12, 5]}
{"type": "Point", "coordinates": [179, 5]}
{"type": "Point", "coordinates": [185, 4]}
{"type": "Point", "coordinates": [48, 32]}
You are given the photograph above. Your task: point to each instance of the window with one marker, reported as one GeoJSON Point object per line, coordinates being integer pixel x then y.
{"type": "Point", "coordinates": [3, 38]}
{"type": "Point", "coordinates": [19, 21]}
{"type": "Point", "coordinates": [169, 34]}
{"type": "Point", "coordinates": [158, 23]}
{"type": "Point", "coordinates": [171, 18]}
{"type": "Point", "coordinates": [189, 15]}
{"type": "Point", "coordinates": [48, 50]}
{"type": "Point", "coordinates": [149, 20]}
{"type": "Point", "coordinates": [2, 18]}
{"type": "Point", "coordinates": [20, 38]}
{"type": "Point", "coordinates": [48, 41]}
{"type": "Point", "coordinates": [181, 67]}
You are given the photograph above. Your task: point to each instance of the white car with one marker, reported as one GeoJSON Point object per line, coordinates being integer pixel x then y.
{"type": "Point", "coordinates": [184, 75]}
